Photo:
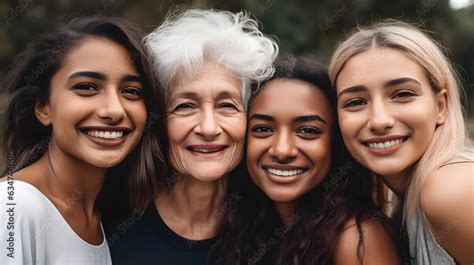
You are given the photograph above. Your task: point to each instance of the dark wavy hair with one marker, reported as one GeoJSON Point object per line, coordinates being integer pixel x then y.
{"type": "Point", "coordinates": [252, 232]}
{"type": "Point", "coordinates": [28, 81]}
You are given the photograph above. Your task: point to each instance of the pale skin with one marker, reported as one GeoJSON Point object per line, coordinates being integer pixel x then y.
{"type": "Point", "coordinates": [447, 200]}
{"type": "Point", "coordinates": [396, 99]}
{"type": "Point", "coordinates": [191, 207]}
{"type": "Point", "coordinates": [206, 127]}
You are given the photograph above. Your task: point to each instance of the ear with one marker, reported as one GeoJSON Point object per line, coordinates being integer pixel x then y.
{"type": "Point", "coordinates": [42, 112]}
{"type": "Point", "coordinates": [441, 103]}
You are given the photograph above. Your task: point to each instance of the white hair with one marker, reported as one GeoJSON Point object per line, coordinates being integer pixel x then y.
{"type": "Point", "coordinates": [188, 37]}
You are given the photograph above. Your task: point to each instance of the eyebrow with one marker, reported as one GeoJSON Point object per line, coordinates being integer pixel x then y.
{"type": "Point", "coordinates": [265, 117]}
{"type": "Point", "coordinates": [132, 78]}
{"type": "Point", "coordinates": [90, 74]}
{"type": "Point", "coordinates": [101, 76]}
{"type": "Point", "coordinates": [226, 94]}
{"type": "Point", "coordinates": [309, 118]}
{"type": "Point", "coordinates": [390, 83]}
{"type": "Point", "coordinates": [187, 94]}
{"type": "Point", "coordinates": [399, 81]}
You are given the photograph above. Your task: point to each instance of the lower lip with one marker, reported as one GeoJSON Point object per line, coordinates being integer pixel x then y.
{"type": "Point", "coordinates": [107, 142]}
{"type": "Point", "coordinates": [386, 151]}
{"type": "Point", "coordinates": [207, 155]}
{"type": "Point", "coordinates": [283, 179]}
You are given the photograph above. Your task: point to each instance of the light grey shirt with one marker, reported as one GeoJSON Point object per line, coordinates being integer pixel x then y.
{"type": "Point", "coordinates": [423, 246]}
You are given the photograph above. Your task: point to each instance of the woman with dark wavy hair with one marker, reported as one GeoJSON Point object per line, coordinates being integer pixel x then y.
{"type": "Point", "coordinates": [78, 101]}
{"type": "Point", "coordinates": [320, 197]}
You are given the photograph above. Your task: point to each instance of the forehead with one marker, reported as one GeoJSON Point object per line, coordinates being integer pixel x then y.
{"type": "Point", "coordinates": [100, 55]}
{"type": "Point", "coordinates": [290, 97]}
{"type": "Point", "coordinates": [211, 80]}
{"type": "Point", "coordinates": [377, 65]}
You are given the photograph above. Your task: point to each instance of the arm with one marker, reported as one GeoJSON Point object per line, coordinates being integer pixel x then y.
{"type": "Point", "coordinates": [447, 200]}
{"type": "Point", "coordinates": [377, 247]}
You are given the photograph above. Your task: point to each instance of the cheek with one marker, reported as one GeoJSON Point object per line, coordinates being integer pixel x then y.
{"type": "Point", "coordinates": [235, 127]}
{"type": "Point", "coordinates": [139, 115]}
{"type": "Point", "coordinates": [254, 149]}
{"type": "Point", "coordinates": [350, 126]}
{"type": "Point", "coordinates": [319, 152]}
{"type": "Point", "coordinates": [177, 129]}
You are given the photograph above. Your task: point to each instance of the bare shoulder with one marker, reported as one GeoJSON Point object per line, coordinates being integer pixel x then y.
{"type": "Point", "coordinates": [377, 246]}
{"type": "Point", "coordinates": [446, 190]}
{"type": "Point", "coordinates": [447, 200]}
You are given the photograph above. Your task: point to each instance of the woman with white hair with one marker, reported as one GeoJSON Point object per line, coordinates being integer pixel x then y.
{"type": "Point", "coordinates": [206, 60]}
{"type": "Point", "coordinates": [400, 115]}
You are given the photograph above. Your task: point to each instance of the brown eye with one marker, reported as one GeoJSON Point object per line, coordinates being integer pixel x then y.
{"type": "Point", "coordinates": [354, 103]}
{"type": "Point", "coordinates": [184, 106]}
{"type": "Point", "coordinates": [262, 131]}
{"type": "Point", "coordinates": [132, 93]}
{"type": "Point", "coordinates": [404, 94]}
{"type": "Point", "coordinates": [308, 132]}
{"type": "Point", "coordinates": [86, 89]}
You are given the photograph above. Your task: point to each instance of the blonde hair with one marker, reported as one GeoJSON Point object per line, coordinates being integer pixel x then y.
{"type": "Point", "coordinates": [450, 140]}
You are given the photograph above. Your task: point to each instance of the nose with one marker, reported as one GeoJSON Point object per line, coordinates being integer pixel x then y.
{"type": "Point", "coordinates": [111, 106]}
{"type": "Point", "coordinates": [381, 118]}
{"type": "Point", "coordinates": [283, 149]}
{"type": "Point", "coordinates": [208, 126]}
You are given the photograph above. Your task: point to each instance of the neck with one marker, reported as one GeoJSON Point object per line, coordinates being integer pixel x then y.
{"type": "Point", "coordinates": [74, 182]}
{"type": "Point", "coordinates": [398, 183]}
{"type": "Point", "coordinates": [190, 208]}
{"type": "Point", "coordinates": [286, 211]}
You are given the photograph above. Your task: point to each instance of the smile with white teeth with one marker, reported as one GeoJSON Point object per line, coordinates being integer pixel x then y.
{"type": "Point", "coordinates": [111, 135]}
{"type": "Point", "coordinates": [284, 173]}
{"type": "Point", "coordinates": [386, 144]}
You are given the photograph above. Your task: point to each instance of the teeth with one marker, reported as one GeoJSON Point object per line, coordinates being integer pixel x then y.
{"type": "Point", "coordinates": [204, 150]}
{"type": "Point", "coordinates": [285, 173]}
{"type": "Point", "coordinates": [106, 134]}
{"type": "Point", "coordinates": [386, 144]}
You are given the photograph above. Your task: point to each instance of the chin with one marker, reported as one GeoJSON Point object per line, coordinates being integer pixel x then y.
{"type": "Point", "coordinates": [281, 197]}
{"type": "Point", "coordinates": [202, 176]}
{"type": "Point", "coordinates": [106, 162]}
{"type": "Point", "coordinates": [386, 170]}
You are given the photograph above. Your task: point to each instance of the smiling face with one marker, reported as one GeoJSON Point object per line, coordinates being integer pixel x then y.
{"type": "Point", "coordinates": [289, 139]}
{"type": "Point", "coordinates": [95, 107]}
{"type": "Point", "coordinates": [388, 117]}
{"type": "Point", "coordinates": [206, 123]}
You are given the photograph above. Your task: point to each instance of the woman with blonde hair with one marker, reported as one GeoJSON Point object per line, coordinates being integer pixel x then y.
{"type": "Point", "coordinates": [400, 115]}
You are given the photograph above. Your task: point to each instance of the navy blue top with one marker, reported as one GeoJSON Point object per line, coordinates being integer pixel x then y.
{"type": "Point", "coordinates": [148, 240]}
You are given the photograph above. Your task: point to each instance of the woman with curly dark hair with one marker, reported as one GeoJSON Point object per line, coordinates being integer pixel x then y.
{"type": "Point", "coordinates": [316, 206]}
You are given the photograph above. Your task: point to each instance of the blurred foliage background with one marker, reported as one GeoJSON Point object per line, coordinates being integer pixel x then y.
{"type": "Point", "coordinates": [302, 27]}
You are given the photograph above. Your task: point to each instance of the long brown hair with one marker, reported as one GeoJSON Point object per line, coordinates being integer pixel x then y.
{"type": "Point", "coordinates": [25, 139]}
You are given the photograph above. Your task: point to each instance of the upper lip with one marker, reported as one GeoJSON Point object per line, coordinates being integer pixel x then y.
{"type": "Point", "coordinates": [284, 167]}
{"type": "Point", "coordinates": [106, 128]}
{"type": "Point", "coordinates": [384, 139]}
